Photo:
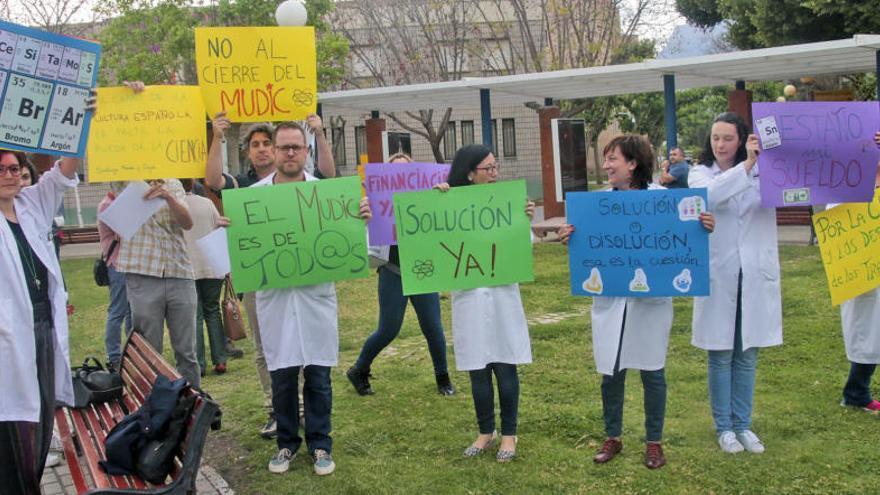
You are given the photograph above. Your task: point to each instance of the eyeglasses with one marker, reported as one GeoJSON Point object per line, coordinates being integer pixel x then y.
{"type": "Point", "coordinates": [491, 168]}
{"type": "Point", "coordinates": [287, 148]}
{"type": "Point", "coordinates": [14, 170]}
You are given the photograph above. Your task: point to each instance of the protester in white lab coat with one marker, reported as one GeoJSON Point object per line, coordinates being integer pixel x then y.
{"type": "Point", "coordinates": [489, 328]}
{"type": "Point", "coordinates": [860, 318]}
{"type": "Point", "coordinates": [299, 330]}
{"type": "Point", "coordinates": [34, 354]}
{"type": "Point", "coordinates": [631, 332]}
{"type": "Point", "coordinates": [744, 309]}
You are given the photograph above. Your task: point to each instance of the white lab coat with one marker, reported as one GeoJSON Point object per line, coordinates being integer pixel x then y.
{"type": "Point", "coordinates": [298, 325]}
{"type": "Point", "coordinates": [489, 326]}
{"type": "Point", "coordinates": [744, 238]}
{"type": "Point", "coordinates": [860, 318]}
{"type": "Point", "coordinates": [35, 207]}
{"type": "Point", "coordinates": [645, 338]}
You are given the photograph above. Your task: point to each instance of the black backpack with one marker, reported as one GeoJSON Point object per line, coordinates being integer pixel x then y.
{"type": "Point", "coordinates": [156, 459]}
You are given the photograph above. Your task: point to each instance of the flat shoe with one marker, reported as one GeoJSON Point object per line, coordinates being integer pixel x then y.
{"type": "Point", "coordinates": [473, 451]}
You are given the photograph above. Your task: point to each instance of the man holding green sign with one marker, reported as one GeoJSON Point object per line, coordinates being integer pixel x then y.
{"type": "Point", "coordinates": [289, 242]}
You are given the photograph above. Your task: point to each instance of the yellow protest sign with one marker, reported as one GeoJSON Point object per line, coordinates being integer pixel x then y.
{"type": "Point", "coordinates": [157, 133]}
{"type": "Point", "coordinates": [849, 240]}
{"type": "Point", "coordinates": [258, 74]}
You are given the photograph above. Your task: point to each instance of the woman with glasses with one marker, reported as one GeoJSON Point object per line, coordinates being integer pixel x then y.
{"type": "Point", "coordinates": [35, 366]}
{"type": "Point", "coordinates": [392, 306]}
{"type": "Point", "coordinates": [489, 329]}
{"type": "Point", "coordinates": [744, 309]}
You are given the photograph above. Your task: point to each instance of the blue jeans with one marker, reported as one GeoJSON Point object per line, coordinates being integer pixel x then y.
{"type": "Point", "coordinates": [732, 380]}
{"type": "Point", "coordinates": [117, 311]}
{"type": "Point", "coordinates": [857, 391]}
{"type": "Point", "coordinates": [208, 312]}
{"type": "Point", "coordinates": [318, 402]}
{"type": "Point", "coordinates": [484, 397]}
{"type": "Point", "coordinates": [392, 307]}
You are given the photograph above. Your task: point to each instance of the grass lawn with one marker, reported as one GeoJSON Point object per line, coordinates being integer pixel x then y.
{"type": "Point", "coordinates": [409, 439]}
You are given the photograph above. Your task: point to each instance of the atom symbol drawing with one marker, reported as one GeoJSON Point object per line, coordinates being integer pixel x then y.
{"type": "Point", "coordinates": [423, 268]}
{"type": "Point", "coordinates": [303, 98]}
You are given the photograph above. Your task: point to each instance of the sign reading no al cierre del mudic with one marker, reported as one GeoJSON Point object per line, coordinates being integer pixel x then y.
{"type": "Point", "coordinates": [44, 83]}
{"type": "Point", "coordinates": [638, 243]}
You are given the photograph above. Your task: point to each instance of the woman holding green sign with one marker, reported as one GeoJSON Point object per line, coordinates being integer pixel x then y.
{"type": "Point", "coordinates": [631, 332]}
{"type": "Point", "coordinates": [744, 311]}
{"type": "Point", "coordinates": [489, 328]}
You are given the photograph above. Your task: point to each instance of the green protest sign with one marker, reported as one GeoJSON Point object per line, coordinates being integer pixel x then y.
{"type": "Point", "coordinates": [473, 236]}
{"type": "Point", "coordinates": [294, 234]}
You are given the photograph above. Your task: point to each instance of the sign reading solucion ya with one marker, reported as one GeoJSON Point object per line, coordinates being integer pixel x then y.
{"type": "Point", "coordinates": [258, 74]}
{"type": "Point", "coordinates": [849, 240]}
{"type": "Point", "coordinates": [468, 237]}
{"type": "Point", "coordinates": [638, 243]}
{"type": "Point", "coordinates": [44, 83]}
{"type": "Point", "coordinates": [382, 180]}
{"type": "Point", "coordinates": [294, 234]}
{"type": "Point", "coordinates": [816, 152]}
{"type": "Point", "coordinates": [154, 134]}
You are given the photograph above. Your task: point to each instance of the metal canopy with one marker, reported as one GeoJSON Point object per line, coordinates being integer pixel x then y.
{"type": "Point", "coordinates": [858, 54]}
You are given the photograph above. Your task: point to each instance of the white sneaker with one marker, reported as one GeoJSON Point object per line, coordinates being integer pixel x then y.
{"type": "Point", "coordinates": [324, 464]}
{"type": "Point", "coordinates": [750, 441]}
{"type": "Point", "coordinates": [53, 460]}
{"type": "Point", "coordinates": [280, 463]}
{"type": "Point", "coordinates": [728, 442]}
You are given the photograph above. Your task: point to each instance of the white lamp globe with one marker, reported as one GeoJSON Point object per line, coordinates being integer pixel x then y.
{"type": "Point", "coordinates": [291, 13]}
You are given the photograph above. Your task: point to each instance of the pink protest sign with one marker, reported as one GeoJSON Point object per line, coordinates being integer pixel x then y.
{"type": "Point", "coordinates": [816, 152]}
{"type": "Point", "coordinates": [382, 180]}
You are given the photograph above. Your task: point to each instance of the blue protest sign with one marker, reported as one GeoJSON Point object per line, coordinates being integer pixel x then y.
{"type": "Point", "coordinates": [638, 243]}
{"type": "Point", "coordinates": [44, 83]}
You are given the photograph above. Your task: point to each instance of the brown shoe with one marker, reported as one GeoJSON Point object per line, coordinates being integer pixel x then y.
{"type": "Point", "coordinates": [654, 458]}
{"type": "Point", "coordinates": [610, 448]}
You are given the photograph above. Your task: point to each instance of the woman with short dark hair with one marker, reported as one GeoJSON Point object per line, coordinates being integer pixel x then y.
{"type": "Point", "coordinates": [631, 332]}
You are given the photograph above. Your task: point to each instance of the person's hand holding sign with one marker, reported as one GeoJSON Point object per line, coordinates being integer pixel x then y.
{"type": "Point", "coordinates": [220, 124]}
{"type": "Point", "coordinates": [365, 211]}
{"type": "Point", "coordinates": [753, 149]}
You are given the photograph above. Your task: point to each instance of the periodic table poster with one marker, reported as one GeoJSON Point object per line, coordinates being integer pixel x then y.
{"type": "Point", "coordinates": [44, 82]}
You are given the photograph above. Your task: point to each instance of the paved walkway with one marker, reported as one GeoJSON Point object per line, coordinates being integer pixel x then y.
{"type": "Point", "coordinates": [57, 481]}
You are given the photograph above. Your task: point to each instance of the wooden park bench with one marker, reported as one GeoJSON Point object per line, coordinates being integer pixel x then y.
{"type": "Point", "coordinates": [83, 430]}
{"type": "Point", "coordinates": [79, 235]}
{"type": "Point", "coordinates": [797, 215]}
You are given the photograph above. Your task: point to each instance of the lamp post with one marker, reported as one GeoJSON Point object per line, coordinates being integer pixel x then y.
{"type": "Point", "coordinates": [291, 13]}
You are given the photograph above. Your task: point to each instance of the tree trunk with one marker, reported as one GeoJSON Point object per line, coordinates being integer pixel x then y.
{"type": "Point", "coordinates": [435, 148]}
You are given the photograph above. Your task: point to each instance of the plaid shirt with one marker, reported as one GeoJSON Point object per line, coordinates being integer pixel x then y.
{"type": "Point", "coordinates": [158, 249]}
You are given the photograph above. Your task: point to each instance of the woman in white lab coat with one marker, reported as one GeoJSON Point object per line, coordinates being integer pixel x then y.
{"type": "Point", "coordinates": [489, 329]}
{"type": "Point", "coordinates": [860, 318]}
{"type": "Point", "coordinates": [744, 309]}
{"type": "Point", "coordinates": [631, 333]}
{"type": "Point", "coordinates": [34, 360]}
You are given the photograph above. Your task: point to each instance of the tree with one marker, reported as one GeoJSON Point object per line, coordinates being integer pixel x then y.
{"type": "Point", "coordinates": [765, 23]}
{"type": "Point", "coordinates": [55, 16]}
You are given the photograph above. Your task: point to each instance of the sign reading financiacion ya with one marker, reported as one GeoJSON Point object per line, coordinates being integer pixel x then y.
{"type": "Point", "coordinates": [44, 83]}
{"type": "Point", "coordinates": [295, 234]}
{"type": "Point", "coordinates": [258, 74]}
{"type": "Point", "coordinates": [154, 134]}
{"type": "Point", "coordinates": [849, 240]}
{"type": "Point", "coordinates": [382, 180]}
{"type": "Point", "coordinates": [473, 236]}
{"type": "Point", "coordinates": [822, 152]}
{"type": "Point", "coordinates": [638, 243]}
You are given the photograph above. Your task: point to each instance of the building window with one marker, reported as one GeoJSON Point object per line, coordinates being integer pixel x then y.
{"type": "Point", "coordinates": [360, 144]}
{"type": "Point", "coordinates": [467, 132]}
{"type": "Point", "coordinates": [338, 140]}
{"type": "Point", "coordinates": [450, 144]}
{"type": "Point", "coordinates": [495, 138]}
{"type": "Point", "coordinates": [508, 129]}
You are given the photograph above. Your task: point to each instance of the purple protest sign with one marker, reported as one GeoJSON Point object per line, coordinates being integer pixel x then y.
{"type": "Point", "coordinates": [816, 152]}
{"type": "Point", "coordinates": [382, 180]}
